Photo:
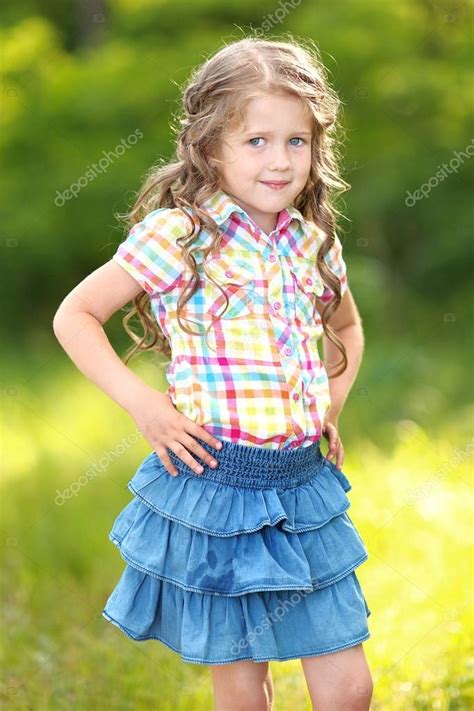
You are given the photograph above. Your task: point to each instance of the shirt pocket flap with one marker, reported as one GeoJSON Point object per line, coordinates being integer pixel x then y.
{"type": "Point", "coordinates": [227, 270]}
{"type": "Point", "coordinates": [307, 276]}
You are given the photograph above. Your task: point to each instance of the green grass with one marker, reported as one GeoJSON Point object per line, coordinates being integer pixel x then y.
{"type": "Point", "coordinates": [411, 502]}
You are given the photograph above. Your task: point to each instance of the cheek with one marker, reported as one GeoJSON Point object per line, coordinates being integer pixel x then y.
{"type": "Point", "coordinates": [227, 155]}
{"type": "Point", "coordinates": [304, 162]}
{"type": "Point", "coordinates": [245, 165]}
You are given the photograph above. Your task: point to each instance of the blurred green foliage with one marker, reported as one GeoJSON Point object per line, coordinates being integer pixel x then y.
{"type": "Point", "coordinates": [401, 70]}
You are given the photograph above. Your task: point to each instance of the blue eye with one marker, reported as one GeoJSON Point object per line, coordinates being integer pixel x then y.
{"type": "Point", "coordinates": [257, 138]}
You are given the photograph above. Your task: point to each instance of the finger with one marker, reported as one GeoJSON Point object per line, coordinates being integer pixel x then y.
{"type": "Point", "coordinates": [198, 450]}
{"type": "Point", "coordinates": [197, 431]}
{"type": "Point", "coordinates": [166, 461]}
{"type": "Point", "coordinates": [333, 441]}
{"type": "Point", "coordinates": [340, 457]}
{"type": "Point", "coordinates": [184, 455]}
{"type": "Point", "coordinates": [333, 448]}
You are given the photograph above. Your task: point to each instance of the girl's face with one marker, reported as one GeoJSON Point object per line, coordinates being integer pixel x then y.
{"type": "Point", "coordinates": [273, 144]}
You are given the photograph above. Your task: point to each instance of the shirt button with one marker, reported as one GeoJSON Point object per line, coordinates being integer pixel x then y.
{"type": "Point", "coordinates": [228, 273]}
{"type": "Point", "coordinates": [272, 257]}
{"type": "Point", "coordinates": [276, 305]}
{"type": "Point", "coordinates": [296, 396]}
{"type": "Point", "coordinates": [288, 351]}
{"type": "Point", "coordinates": [309, 281]}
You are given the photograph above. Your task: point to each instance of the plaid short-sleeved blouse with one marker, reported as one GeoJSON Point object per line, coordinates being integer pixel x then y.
{"type": "Point", "coordinates": [258, 379]}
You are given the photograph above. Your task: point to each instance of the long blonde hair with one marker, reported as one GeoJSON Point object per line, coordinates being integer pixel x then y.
{"type": "Point", "coordinates": [213, 101]}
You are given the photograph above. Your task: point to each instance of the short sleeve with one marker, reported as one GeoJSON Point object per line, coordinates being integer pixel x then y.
{"type": "Point", "coordinates": [337, 265]}
{"type": "Point", "coordinates": [150, 253]}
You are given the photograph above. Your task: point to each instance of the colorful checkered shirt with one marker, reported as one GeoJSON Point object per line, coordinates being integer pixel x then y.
{"type": "Point", "coordinates": [258, 379]}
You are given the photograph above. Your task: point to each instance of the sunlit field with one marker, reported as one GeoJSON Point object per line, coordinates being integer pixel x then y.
{"type": "Point", "coordinates": [412, 503]}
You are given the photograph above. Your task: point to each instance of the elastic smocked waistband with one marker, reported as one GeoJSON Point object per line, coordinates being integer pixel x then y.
{"type": "Point", "coordinates": [257, 467]}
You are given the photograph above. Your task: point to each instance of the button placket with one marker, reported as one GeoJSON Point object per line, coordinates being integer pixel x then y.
{"type": "Point", "coordinates": [275, 284]}
{"type": "Point", "coordinates": [286, 339]}
{"type": "Point", "coordinates": [259, 236]}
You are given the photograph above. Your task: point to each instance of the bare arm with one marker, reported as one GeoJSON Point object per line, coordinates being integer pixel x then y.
{"type": "Point", "coordinates": [78, 323]}
{"type": "Point", "coordinates": [348, 326]}
{"type": "Point", "coordinates": [78, 326]}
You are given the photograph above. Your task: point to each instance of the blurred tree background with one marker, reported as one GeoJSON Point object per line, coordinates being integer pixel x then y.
{"type": "Point", "coordinates": [78, 81]}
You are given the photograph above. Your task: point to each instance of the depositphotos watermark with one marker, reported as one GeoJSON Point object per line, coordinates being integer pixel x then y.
{"type": "Point", "coordinates": [443, 172]}
{"type": "Point", "coordinates": [96, 468]}
{"type": "Point", "coordinates": [93, 170]}
{"type": "Point", "coordinates": [277, 17]}
{"type": "Point", "coordinates": [448, 466]}
{"type": "Point", "coordinates": [279, 613]}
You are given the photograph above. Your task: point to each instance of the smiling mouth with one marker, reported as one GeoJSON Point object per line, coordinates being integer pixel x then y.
{"type": "Point", "coordinates": [275, 186]}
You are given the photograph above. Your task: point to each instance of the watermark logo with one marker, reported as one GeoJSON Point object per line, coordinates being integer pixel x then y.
{"type": "Point", "coordinates": [274, 616]}
{"type": "Point", "coordinates": [277, 17]}
{"type": "Point", "coordinates": [96, 468]}
{"type": "Point", "coordinates": [448, 466]}
{"type": "Point", "coordinates": [96, 168]}
{"type": "Point", "coordinates": [443, 171]}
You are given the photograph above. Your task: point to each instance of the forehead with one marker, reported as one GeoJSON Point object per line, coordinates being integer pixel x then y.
{"type": "Point", "coordinates": [274, 113]}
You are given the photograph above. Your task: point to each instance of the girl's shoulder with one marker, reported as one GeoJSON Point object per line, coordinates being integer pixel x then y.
{"type": "Point", "coordinates": [150, 251]}
{"type": "Point", "coordinates": [166, 222]}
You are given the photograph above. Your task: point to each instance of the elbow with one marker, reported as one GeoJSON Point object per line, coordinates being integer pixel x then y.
{"type": "Point", "coordinates": [64, 313]}
{"type": "Point", "coordinates": [356, 329]}
{"type": "Point", "coordinates": [62, 318]}
{"type": "Point", "coordinates": [57, 323]}
{"type": "Point", "coordinates": [352, 323]}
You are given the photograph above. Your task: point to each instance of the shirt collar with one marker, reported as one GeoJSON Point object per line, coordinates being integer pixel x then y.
{"type": "Point", "coordinates": [221, 206]}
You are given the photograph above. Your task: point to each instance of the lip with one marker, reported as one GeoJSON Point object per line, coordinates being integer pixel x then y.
{"type": "Point", "coordinates": [275, 184]}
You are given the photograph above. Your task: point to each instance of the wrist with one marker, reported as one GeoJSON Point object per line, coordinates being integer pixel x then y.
{"type": "Point", "coordinates": [331, 417]}
{"type": "Point", "coordinates": [137, 395]}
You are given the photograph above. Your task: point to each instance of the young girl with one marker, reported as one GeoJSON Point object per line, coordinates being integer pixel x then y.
{"type": "Point", "coordinates": [238, 545]}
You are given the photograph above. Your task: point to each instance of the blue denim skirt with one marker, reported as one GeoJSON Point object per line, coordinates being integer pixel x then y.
{"type": "Point", "coordinates": [252, 560]}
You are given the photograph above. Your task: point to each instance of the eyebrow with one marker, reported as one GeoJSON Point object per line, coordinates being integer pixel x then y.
{"type": "Point", "coordinates": [270, 133]}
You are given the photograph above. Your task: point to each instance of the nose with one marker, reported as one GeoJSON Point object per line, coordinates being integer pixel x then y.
{"type": "Point", "coordinates": [279, 159]}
